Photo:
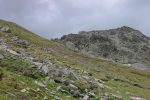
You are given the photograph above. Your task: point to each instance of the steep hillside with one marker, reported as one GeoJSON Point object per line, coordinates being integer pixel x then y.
{"type": "Point", "coordinates": [124, 45]}
{"type": "Point", "coordinates": [35, 68]}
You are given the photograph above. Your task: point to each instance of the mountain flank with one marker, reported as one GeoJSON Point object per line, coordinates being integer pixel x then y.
{"type": "Point", "coordinates": [33, 68]}
{"type": "Point", "coordinates": [122, 45]}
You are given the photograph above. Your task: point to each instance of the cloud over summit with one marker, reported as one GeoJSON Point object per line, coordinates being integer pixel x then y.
{"type": "Point", "coordinates": [54, 18]}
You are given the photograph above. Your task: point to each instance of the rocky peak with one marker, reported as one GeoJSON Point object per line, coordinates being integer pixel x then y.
{"type": "Point", "coordinates": [126, 29]}
{"type": "Point", "coordinates": [121, 31]}
{"type": "Point", "coordinates": [124, 44]}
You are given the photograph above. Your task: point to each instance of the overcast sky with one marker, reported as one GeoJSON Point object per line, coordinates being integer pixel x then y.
{"type": "Point", "coordinates": [54, 18]}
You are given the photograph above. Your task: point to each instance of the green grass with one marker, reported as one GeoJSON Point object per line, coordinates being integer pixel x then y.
{"type": "Point", "coordinates": [131, 80]}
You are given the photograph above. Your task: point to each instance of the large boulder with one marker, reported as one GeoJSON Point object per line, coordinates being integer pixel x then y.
{"type": "Point", "coordinates": [45, 69]}
{"type": "Point", "coordinates": [76, 94]}
{"type": "Point", "coordinates": [23, 43]}
{"type": "Point", "coordinates": [93, 85]}
{"type": "Point", "coordinates": [72, 87]}
{"type": "Point", "coordinates": [20, 42]}
{"type": "Point", "coordinates": [86, 97]}
{"type": "Point", "coordinates": [91, 94]}
{"type": "Point", "coordinates": [5, 28]}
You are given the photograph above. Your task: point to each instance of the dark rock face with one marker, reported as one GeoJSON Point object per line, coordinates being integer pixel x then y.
{"type": "Point", "coordinates": [124, 45]}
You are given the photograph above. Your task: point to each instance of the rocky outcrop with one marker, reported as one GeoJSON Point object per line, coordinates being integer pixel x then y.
{"type": "Point", "coordinates": [5, 28]}
{"type": "Point", "coordinates": [20, 42]}
{"type": "Point", "coordinates": [123, 45]}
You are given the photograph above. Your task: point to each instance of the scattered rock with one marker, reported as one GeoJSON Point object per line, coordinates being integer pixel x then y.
{"type": "Point", "coordinates": [45, 98]}
{"type": "Point", "coordinates": [68, 97]}
{"type": "Point", "coordinates": [92, 95]}
{"type": "Point", "coordinates": [38, 90]}
{"type": "Point", "coordinates": [99, 81]}
{"type": "Point", "coordinates": [117, 97]}
{"type": "Point", "coordinates": [23, 43]}
{"type": "Point", "coordinates": [66, 82]}
{"type": "Point", "coordinates": [86, 97]}
{"type": "Point", "coordinates": [60, 73]}
{"type": "Point", "coordinates": [93, 85]}
{"type": "Point", "coordinates": [45, 69]}
{"type": "Point", "coordinates": [85, 77]}
{"type": "Point", "coordinates": [101, 85]}
{"type": "Point", "coordinates": [20, 42]}
{"type": "Point", "coordinates": [8, 94]}
{"type": "Point", "coordinates": [15, 38]}
{"type": "Point", "coordinates": [38, 64]}
{"type": "Point", "coordinates": [13, 52]}
{"type": "Point", "coordinates": [76, 93]}
{"type": "Point", "coordinates": [23, 90]}
{"type": "Point", "coordinates": [40, 84]}
{"type": "Point", "coordinates": [20, 52]}
{"type": "Point", "coordinates": [57, 80]}
{"type": "Point", "coordinates": [30, 58]}
{"type": "Point", "coordinates": [57, 98]}
{"type": "Point", "coordinates": [52, 80]}
{"type": "Point", "coordinates": [1, 41]}
{"type": "Point", "coordinates": [110, 96]}
{"type": "Point", "coordinates": [27, 89]}
{"type": "Point", "coordinates": [47, 78]}
{"type": "Point", "coordinates": [58, 88]}
{"type": "Point", "coordinates": [3, 47]}
{"type": "Point", "coordinates": [86, 90]}
{"type": "Point", "coordinates": [1, 56]}
{"type": "Point", "coordinates": [72, 87]}
{"type": "Point", "coordinates": [137, 98]}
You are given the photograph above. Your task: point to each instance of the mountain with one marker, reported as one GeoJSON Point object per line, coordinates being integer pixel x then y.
{"type": "Point", "coordinates": [123, 45]}
{"type": "Point", "coordinates": [33, 68]}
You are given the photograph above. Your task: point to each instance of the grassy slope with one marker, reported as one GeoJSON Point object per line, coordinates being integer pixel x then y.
{"type": "Point", "coordinates": [134, 81]}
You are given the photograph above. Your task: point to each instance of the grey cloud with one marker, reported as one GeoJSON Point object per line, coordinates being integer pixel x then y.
{"type": "Point", "coordinates": [54, 18]}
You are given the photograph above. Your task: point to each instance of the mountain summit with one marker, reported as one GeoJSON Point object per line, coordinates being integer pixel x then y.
{"type": "Point", "coordinates": [123, 45]}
